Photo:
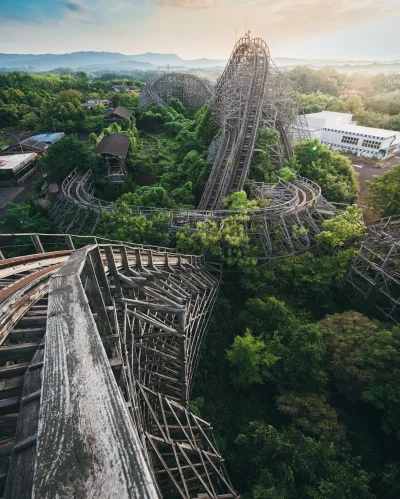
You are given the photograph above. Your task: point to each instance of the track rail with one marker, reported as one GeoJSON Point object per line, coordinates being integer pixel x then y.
{"type": "Point", "coordinates": [98, 351]}
{"type": "Point", "coordinates": [232, 164]}
{"type": "Point", "coordinates": [191, 90]}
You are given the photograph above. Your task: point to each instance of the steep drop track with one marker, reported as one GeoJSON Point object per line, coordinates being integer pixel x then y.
{"type": "Point", "coordinates": [245, 77]}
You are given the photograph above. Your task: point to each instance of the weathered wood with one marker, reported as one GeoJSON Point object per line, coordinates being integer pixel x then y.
{"type": "Point", "coordinates": [22, 465]}
{"type": "Point", "coordinates": [13, 370]}
{"type": "Point", "coordinates": [87, 446]}
{"type": "Point", "coordinates": [19, 351]}
{"type": "Point", "coordinates": [69, 242]}
{"type": "Point", "coordinates": [37, 243]}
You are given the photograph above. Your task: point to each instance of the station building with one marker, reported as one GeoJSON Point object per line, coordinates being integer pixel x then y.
{"type": "Point", "coordinates": [16, 168]}
{"type": "Point", "coordinates": [338, 131]}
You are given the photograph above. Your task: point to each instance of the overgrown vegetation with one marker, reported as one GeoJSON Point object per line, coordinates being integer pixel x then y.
{"type": "Point", "coordinates": [378, 104]}
{"type": "Point", "coordinates": [302, 390]}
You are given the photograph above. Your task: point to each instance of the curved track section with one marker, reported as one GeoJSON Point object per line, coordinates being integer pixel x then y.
{"type": "Point", "coordinates": [98, 349]}
{"type": "Point", "coordinates": [279, 220]}
{"type": "Point", "coordinates": [191, 90]}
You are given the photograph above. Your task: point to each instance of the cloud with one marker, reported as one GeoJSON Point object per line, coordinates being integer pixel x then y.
{"type": "Point", "coordinates": [189, 4]}
{"type": "Point", "coordinates": [74, 7]}
{"type": "Point", "coordinates": [15, 20]}
{"type": "Point", "coordinates": [306, 18]}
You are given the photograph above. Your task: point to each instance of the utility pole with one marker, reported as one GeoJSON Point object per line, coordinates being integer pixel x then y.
{"type": "Point", "coordinates": [8, 133]}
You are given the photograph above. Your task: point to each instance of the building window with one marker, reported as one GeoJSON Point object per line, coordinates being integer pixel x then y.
{"type": "Point", "coordinates": [373, 144]}
{"type": "Point", "coordinates": [349, 140]}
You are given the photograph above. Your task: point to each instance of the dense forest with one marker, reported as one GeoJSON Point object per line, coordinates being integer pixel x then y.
{"type": "Point", "coordinates": [300, 382]}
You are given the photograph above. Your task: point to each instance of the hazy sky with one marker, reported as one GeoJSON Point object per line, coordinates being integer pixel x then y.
{"type": "Point", "coordinates": [362, 29]}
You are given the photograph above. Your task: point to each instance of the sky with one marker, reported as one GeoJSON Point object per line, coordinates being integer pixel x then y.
{"type": "Point", "coordinates": [340, 29]}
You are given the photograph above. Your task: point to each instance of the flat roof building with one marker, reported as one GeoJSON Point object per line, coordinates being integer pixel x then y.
{"type": "Point", "coordinates": [339, 132]}
{"type": "Point", "coordinates": [48, 138]}
{"type": "Point", "coordinates": [25, 146]}
{"type": "Point", "coordinates": [96, 102]}
{"type": "Point", "coordinates": [16, 168]}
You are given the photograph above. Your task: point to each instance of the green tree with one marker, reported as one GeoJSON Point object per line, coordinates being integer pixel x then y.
{"type": "Point", "coordinates": [226, 240]}
{"type": "Point", "coordinates": [123, 225]}
{"type": "Point", "coordinates": [384, 195]}
{"type": "Point", "coordinates": [249, 356]}
{"type": "Point", "coordinates": [66, 155]}
{"type": "Point", "coordinates": [344, 229]}
{"type": "Point", "coordinates": [287, 465]}
{"type": "Point", "coordinates": [24, 217]}
{"type": "Point", "coordinates": [332, 171]}
{"type": "Point", "coordinates": [363, 360]}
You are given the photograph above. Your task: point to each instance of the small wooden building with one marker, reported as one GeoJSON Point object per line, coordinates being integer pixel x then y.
{"type": "Point", "coordinates": [118, 114]}
{"type": "Point", "coordinates": [114, 149]}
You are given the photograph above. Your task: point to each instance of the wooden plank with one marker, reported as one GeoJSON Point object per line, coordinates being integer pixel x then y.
{"type": "Point", "coordinates": [37, 243]}
{"type": "Point", "coordinates": [13, 352]}
{"type": "Point", "coordinates": [27, 334]}
{"type": "Point", "coordinates": [87, 445]}
{"type": "Point", "coordinates": [22, 465]}
{"type": "Point", "coordinates": [13, 370]}
{"type": "Point", "coordinates": [9, 405]}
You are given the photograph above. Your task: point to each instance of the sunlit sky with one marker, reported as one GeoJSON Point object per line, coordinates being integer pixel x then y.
{"type": "Point", "coordinates": [359, 29]}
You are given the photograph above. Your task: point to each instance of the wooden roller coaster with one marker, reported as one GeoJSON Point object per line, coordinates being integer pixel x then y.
{"type": "Point", "coordinates": [99, 346]}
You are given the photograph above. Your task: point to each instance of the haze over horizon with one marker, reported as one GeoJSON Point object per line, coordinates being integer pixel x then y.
{"type": "Point", "coordinates": [352, 29]}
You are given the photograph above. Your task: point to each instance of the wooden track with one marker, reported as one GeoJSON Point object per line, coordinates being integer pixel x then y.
{"type": "Point", "coordinates": [98, 351]}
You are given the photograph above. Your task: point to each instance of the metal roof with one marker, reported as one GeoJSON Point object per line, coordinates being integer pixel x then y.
{"type": "Point", "coordinates": [115, 145]}
{"type": "Point", "coordinates": [48, 138]}
{"type": "Point", "coordinates": [15, 162]}
{"type": "Point", "coordinates": [120, 111]}
{"type": "Point", "coordinates": [366, 130]}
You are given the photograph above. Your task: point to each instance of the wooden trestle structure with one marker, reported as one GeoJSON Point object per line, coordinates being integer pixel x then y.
{"type": "Point", "coordinates": [98, 349]}
{"type": "Point", "coordinates": [191, 90]}
{"type": "Point", "coordinates": [375, 273]}
{"type": "Point", "coordinates": [252, 94]}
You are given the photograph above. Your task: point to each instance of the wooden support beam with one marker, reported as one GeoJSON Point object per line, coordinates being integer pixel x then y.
{"type": "Point", "coordinates": [148, 305]}
{"type": "Point", "coordinates": [110, 462]}
{"type": "Point", "coordinates": [154, 322]}
{"type": "Point", "coordinates": [69, 242]}
{"type": "Point", "coordinates": [37, 243]}
{"type": "Point", "coordinates": [112, 268]}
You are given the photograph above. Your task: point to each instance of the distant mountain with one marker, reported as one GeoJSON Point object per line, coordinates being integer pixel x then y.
{"type": "Point", "coordinates": [75, 60]}
{"type": "Point", "coordinates": [287, 62]}
{"type": "Point", "coordinates": [175, 60]}
{"type": "Point", "coordinates": [103, 61]}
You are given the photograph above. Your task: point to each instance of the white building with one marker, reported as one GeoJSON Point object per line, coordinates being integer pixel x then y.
{"type": "Point", "coordinates": [339, 132]}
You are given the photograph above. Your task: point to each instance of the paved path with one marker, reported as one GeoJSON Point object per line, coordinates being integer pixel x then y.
{"type": "Point", "coordinates": [7, 194]}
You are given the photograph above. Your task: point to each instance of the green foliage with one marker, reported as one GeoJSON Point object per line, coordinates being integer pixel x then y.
{"type": "Point", "coordinates": [67, 154]}
{"type": "Point", "coordinates": [344, 229]}
{"type": "Point", "coordinates": [226, 240]}
{"type": "Point", "coordinates": [238, 201]}
{"type": "Point", "coordinates": [312, 415]}
{"type": "Point", "coordinates": [147, 196]}
{"type": "Point", "coordinates": [364, 362]}
{"type": "Point", "coordinates": [24, 217]}
{"type": "Point", "coordinates": [286, 464]}
{"type": "Point", "coordinates": [384, 196]}
{"type": "Point", "coordinates": [286, 173]}
{"type": "Point", "coordinates": [261, 167]}
{"type": "Point", "coordinates": [123, 225]}
{"type": "Point", "coordinates": [332, 171]}
{"type": "Point", "coordinates": [306, 281]}
{"type": "Point", "coordinates": [249, 356]}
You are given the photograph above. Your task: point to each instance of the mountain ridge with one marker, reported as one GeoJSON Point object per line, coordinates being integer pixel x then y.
{"type": "Point", "coordinates": [152, 60]}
